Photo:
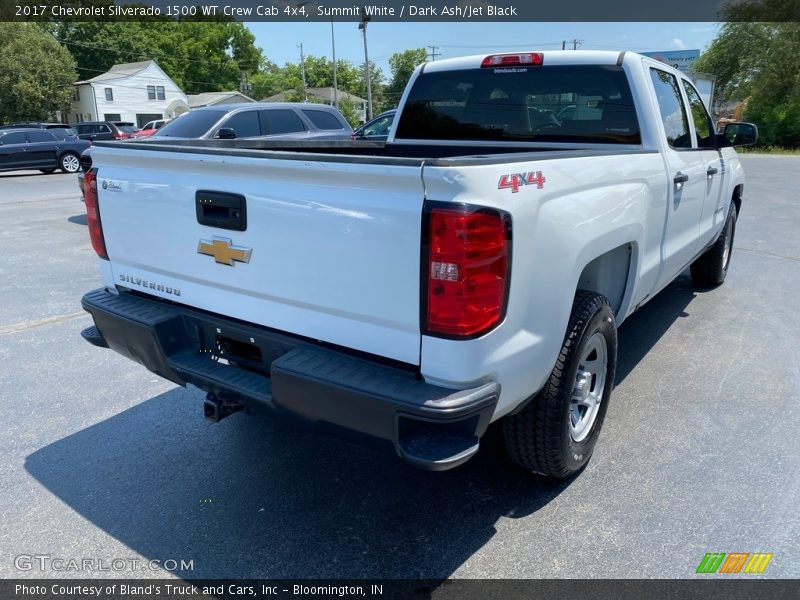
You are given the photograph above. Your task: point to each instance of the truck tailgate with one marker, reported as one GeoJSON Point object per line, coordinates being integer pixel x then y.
{"type": "Point", "coordinates": [334, 245]}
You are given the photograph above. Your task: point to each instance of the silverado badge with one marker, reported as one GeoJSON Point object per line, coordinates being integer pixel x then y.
{"type": "Point", "coordinates": [223, 251]}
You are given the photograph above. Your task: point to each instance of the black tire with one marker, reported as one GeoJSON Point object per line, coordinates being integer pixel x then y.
{"type": "Point", "coordinates": [711, 267]}
{"type": "Point", "coordinates": [47, 171]}
{"type": "Point", "coordinates": [539, 437]}
{"type": "Point", "coordinates": [70, 162]}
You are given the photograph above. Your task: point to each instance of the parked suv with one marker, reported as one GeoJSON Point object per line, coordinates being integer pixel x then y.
{"type": "Point", "coordinates": [105, 130]}
{"type": "Point", "coordinates": [36, 125]}
{"type": "Point", "coordinates": [295, 120]}
{"type": "Point", "coordinates": [39, 149]}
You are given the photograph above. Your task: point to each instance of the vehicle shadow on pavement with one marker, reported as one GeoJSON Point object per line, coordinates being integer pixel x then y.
{"type": "Point", "coordinates": [256, 497]}
{"type": "Point", "coordinates": [23, 174]}
{"type": "Point", "coordinates": [642, 330]}
{"type": "Point", "coordinates": [78, 219]}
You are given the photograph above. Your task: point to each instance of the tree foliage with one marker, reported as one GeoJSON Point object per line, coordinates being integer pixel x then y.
{"type": "Point", "coordinates": [758, 63]}
{"type": "Point", "coordinates": [402, 65]}
{"type": "Point", "coordinates": [200, 56]}
{"type": "Point", "coordinates": [36, 73]}
{"type": "Point", "coordinates": [272, 79]}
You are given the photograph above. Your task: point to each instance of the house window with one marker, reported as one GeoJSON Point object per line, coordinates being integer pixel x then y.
{"type": "Point", "coordinates": [76, 94]}
{"type": "Point", "coordinates": [109, 95]}
{"type": "Point", "coordinates": [160, 92]}
{"type": "Point", "coordinates": [151, 92]}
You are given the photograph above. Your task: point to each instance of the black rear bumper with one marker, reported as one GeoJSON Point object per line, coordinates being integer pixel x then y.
{"type": "Point", "coordinates": [431, 427]}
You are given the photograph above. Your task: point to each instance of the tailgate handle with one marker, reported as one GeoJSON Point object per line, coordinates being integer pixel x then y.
{"type": "Point", "coordinates": [221, 210]}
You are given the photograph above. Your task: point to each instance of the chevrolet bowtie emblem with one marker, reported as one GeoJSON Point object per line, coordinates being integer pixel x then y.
{"type": "Point", "coordinates": [223, 251]}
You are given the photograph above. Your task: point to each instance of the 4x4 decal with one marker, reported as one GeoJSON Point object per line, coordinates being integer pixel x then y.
{"type": "Point", "coordinates": [514, 181]}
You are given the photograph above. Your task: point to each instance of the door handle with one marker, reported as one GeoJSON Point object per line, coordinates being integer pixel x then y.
{"type": "Point", "coordinates": [712, 171]}
{"type": "Point", "coordinates": [680, 179]}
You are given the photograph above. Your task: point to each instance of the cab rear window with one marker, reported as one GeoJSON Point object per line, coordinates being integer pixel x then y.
{"type": "Point", "coordinates": [586, 104]}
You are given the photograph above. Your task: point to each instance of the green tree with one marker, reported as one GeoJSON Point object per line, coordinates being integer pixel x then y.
{"type": "Point", "coordinates": [36, 73]}
{"type": "Point", "coordinates": [756, 62]}
{"type": "Point", "coordinates": [268, 81]}
{"type": "Point", "coordinates": [402, 65]}
{"type": "Point", "coordinates": [200, 56]}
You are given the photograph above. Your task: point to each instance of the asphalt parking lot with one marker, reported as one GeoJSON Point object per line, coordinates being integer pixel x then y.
{"type": "Point", "coordinates": [103, 460]}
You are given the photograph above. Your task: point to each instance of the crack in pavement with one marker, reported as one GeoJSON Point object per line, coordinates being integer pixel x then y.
{"type": "Point", "coordinates": [794, 258]}
{"type": "Point", "coordinates": [16, 327]}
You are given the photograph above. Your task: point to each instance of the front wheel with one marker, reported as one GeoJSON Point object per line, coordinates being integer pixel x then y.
{"type": "Point", "coordinates": [70, 162]}
{"type": "Point", "coordinates": [556, 432]}
{"type": "Point", "coordinates": [711, 267]}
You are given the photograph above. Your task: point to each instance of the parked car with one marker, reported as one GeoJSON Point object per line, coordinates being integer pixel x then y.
{"type": "Point", "coordinates": [377, 129]}
{"type": "Point", "coordinates": [39, 149]}
{"type": "Point", "coordinates": [150, 128]}
{"type": "Point", "coordinates": [105, 130]}
{"type": "Point", "coordinates": [36, 125]}
{"type": "Point", "coordinates": [283, 120]}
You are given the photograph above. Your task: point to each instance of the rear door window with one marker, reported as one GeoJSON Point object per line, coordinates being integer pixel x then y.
{"type": "Point", "coordinates": [40, 136]}
{"type": "Point", "coordinates": [245, 124]}
{"type": "Point", "coordinates": [323, 120]}
{"type": "Point", "coordinates": [282, 120]}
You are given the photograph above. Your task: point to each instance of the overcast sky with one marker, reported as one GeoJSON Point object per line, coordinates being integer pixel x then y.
{"type": "Point", "coordinates": [279, 40]}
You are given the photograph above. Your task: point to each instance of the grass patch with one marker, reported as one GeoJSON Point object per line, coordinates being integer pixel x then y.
{"type": "Point", "coordinates": [769, 150]}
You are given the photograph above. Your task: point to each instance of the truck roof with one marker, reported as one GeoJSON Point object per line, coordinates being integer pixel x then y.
{"type": "Point", "coordinates": [550, 57]}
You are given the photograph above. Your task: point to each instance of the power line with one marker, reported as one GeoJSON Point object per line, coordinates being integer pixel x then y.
{"type": "Point", "coordinates": [526, 44]}
{"type": "Point", "coordinates": [137, 53]}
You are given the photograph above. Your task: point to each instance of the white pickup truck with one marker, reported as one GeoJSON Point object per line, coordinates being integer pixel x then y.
{"type": "Point", "coordinates": [473, 268]}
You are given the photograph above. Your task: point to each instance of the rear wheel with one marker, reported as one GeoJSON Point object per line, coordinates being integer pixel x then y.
{"type": "Point", "coordinates": [711, 267]}
{"type": "Point", "coordinates": [70, 162]}
{"type": "Point", "coordinates": [555, 433]}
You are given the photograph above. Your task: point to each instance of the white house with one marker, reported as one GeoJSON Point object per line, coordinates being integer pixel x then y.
{"type": "Point", "coordinates": [137, 92]}
{"type": "Point", "coordinates": [216, 98]}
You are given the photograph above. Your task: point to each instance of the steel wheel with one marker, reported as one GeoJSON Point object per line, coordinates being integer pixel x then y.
{"type": "Point", "coordinates": [726, 252]}
{"type": "Point", "coordinates": [590, 382]}
{"type": "Point", "coordinates": [70, 163]}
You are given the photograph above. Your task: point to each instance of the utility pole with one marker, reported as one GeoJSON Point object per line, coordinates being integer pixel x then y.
{"type": "Point", "coordinates": [244, 84]}
{"type": "Point", "coordinates": [363, 27]}
{"type": "Point", "coordinates": [303, 69]}
{"type": "Point", "coordinates": [335, 86]}
{"type": "Point", "coordinates": [433, 53]}
{"type": "Point", "coordinates": [576, 43]}
{"type": "Point", "coordinates": [564, 45]}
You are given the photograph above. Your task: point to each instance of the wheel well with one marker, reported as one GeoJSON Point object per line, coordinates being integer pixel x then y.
{"type": "Point", "coordinates": [608, 275]}
{"type": "Point", "coordinates": [737, 197]}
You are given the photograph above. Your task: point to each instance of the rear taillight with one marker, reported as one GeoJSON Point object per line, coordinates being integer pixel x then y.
{"type": "Point", "coordinates": [467, 259]}
{"type": "Point", "coordinates": [93, 213]}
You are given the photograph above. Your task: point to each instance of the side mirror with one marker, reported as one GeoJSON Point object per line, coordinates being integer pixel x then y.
{"type": "Point", "coordinates": [740, 134]}
{"type": "Point", "coordinates": [226, 133]}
